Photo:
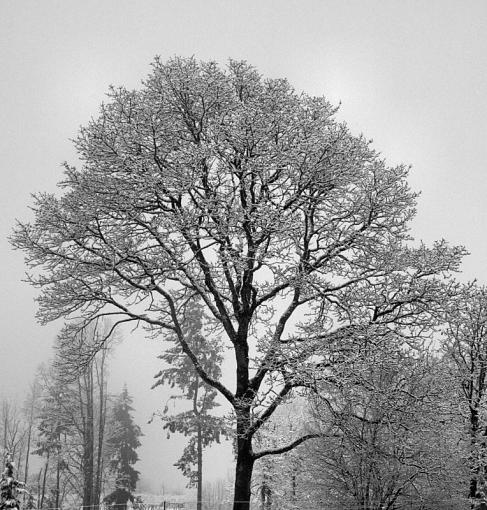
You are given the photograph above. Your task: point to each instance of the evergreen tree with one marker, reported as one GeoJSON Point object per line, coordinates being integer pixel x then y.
{"type": "Point", "coordinates": [10, 487]}
{"type": "Point", "coordinates": [197, 422]}
{"type": "Point", "coordinates": [124, 443]}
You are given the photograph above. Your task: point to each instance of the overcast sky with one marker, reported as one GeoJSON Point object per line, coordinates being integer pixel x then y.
{"type": "Point", "coordinates": [411, 75]}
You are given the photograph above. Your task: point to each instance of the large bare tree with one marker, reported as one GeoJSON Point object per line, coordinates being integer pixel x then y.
{"type": "Point", "coordinates": [218, 185]}
{"type": "Point", "coordinates": [389, 413]}
{"type": "Point", "coordinates": [465, 344]}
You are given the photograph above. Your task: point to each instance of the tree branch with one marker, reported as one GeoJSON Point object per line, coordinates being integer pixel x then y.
{"type": "Point", "coordinates": [290, 446]}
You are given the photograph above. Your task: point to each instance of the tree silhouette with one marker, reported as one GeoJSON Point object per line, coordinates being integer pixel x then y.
{"type": "Point", "coordinates": [217, 184]}
{"type": "Point", "coordinates": [124, 441]}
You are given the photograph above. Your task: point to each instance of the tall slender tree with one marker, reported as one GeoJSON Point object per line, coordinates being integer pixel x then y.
{"type": "Point", "coordinates": [72, 419]}
{"type": "Point", "coordinates": [202, 427]}
{"type": "Point", "coordinates": [30, 411]}
{"type": "Point", "coordinates": [53, 428]}
{"type": "Point", "coordinates": [123, 443]}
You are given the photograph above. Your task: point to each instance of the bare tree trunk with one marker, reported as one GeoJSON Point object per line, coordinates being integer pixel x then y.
{"type": "Point", "coordinates": [101, 427]}
{"type": "Point", "coordinates": [33, 397]}
{"type": "Point", "coordinates": [199, 504]}
{"type": "Point", "coordinates": [243, 475]}
{"type": "Point", "coordinates": [43, 493]}
{"type": "Point", "coordinates": [245, 459]}
{"type": "Point", "coordinates": [199, 448]}
{"type": "Point", "coordinates": [39, 488]}
{"type": "Point", "coordinates": [265, 491]}
{"type": "Point", "coordinates": [91, 437]}
{"type": "Point", "coordinates": [58, 477]}
{"type": "Point", "coordinates": [245, 462]}
{"type": "Point", "coordinates": [88, 440]}
{"type": "Point", "coordinates": [5, 413]}
{"type": "Point", "coordinates": [27, 453]}
{"type": "Point", "coordinates": [20, 455]}
{"type": "Point", "coordinates": [474, 427]}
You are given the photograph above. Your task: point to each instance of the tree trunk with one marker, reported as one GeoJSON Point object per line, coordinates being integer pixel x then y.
{"type": "Point", "coordinates": [58, 478]}
{"type": "Point", "coordinates": [199, 503]}
{"type": "Point", "coordinates": [26, 465]}
{"type": "Point", "coordinates": [265, 490]}
{"type": "Point", "coordinates": [474, 426]}
{"type": "Point", "coordinates": [43, 493]}
{"type": "Point", "coordinates": [243, 474]}
{"type": "Point", "coordinates": [245, 458]}
{"type": "Point", "coordinates": [33, 398]}
{"type": "Point", "coordinates": [39, 489]}
{"type": "Point", "coordinates": [5, 411]}
{"type": "Point", "coordinates": [88, 446]}
{"type": "Point", "coordinates": [101, 427]}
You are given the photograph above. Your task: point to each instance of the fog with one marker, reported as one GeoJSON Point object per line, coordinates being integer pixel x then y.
{"type": "Point", "coordinates": [410, 75]}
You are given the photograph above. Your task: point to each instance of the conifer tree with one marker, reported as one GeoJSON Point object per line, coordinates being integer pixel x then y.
{"type": "Point", "coordinates": [124, 443]}
{"type": "Point", "coordinates": [10, 487]}
{"type": "Point", "coordinates": [197, 422]}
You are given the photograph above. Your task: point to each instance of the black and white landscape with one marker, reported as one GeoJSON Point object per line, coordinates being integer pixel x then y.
{"type": "Point", "coordinates": [243, 255]}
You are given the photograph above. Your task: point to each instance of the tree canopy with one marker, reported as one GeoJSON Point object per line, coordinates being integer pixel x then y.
{"type": "Point", "coordinates": [218, 185]}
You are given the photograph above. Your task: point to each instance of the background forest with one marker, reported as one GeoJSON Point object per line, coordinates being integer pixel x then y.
{"type": "Point", "coordinates": [404, 429]}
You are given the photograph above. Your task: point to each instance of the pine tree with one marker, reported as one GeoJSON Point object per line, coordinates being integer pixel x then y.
{"type": "Point", "coordinates": [124, 443]}
{"type": "Point", "coordinates": [202, 428]}
{"type": "Point", "coordinates": [10, 487]}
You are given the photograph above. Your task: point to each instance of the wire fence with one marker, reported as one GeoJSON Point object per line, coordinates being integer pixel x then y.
{"type": "Point", "coordinates": [446, 504]}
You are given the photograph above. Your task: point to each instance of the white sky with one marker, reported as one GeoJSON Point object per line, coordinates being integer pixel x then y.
{"type": "Point", "coordinates": [412, 75]}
